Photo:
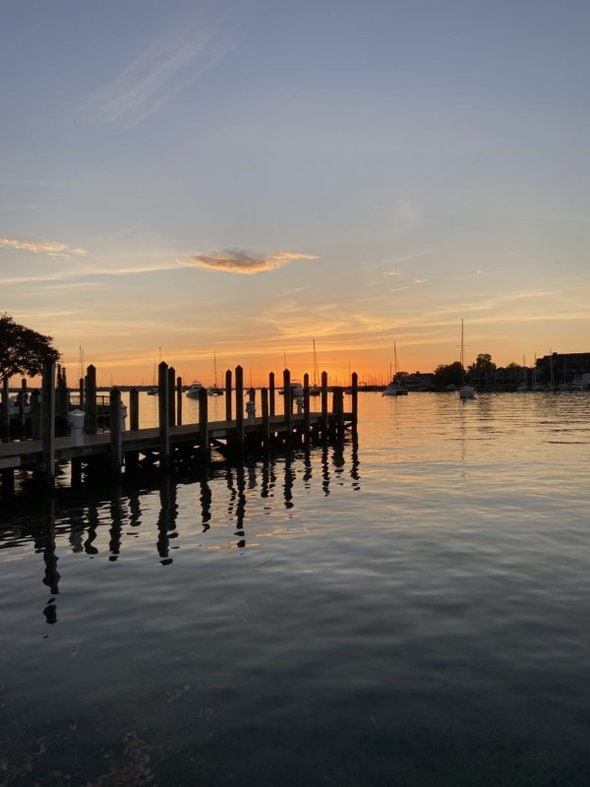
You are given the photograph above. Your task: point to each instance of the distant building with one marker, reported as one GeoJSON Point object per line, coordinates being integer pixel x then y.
{"type": "Point", "coordinates": [563, 369]}
{"type": "Point", "coordinates": [419, 381]}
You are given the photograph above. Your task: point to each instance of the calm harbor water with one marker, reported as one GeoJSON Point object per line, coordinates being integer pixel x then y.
{"type": "Point", "coordinates": [412, 610]}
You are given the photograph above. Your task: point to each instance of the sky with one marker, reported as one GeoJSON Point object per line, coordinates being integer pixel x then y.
{"type": "Point", "coordinates": [224, 183]}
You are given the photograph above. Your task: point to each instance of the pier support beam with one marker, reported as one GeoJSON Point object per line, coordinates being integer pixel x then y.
{"type": "Point", "coordinates": [5, 410]}
{"type": "Point", "coordinates": [204, 424]}
{"type": "Point", "coordinates": [228, 387]}
{"type": "Point", "coordinates": [90, 408]}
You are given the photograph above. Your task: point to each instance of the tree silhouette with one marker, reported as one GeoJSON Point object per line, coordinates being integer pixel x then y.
{"type": "Point", "coordinates": [22, 350]}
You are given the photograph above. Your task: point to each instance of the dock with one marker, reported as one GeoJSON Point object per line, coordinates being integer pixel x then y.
{"type": "Point", "coordinates": [249, 427]}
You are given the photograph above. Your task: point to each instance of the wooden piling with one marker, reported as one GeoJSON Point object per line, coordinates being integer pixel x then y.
{"type": "Point", "coordinates": [171, 397]}
{"type": "Point", "coordinates": [179, 400]}
{"type": "Point", "coordinates": [271, 394]}
{"type": "Point", "coordinates": [306, 408]}
{"type": "Point", "coordinates": [287, 402]}
{"type": "Point", "coordinates": [81, 393]}
{"type": "Point", "coordinates": [133, 409]}
{"type": "Point", "coordinates": [116, 431]}
{"type": "Point", "coordinates": [22, 402]}
{"type": "Point", "coordinates": [5, 410]}
{"type": "Point", "coordinates": [90, 409]}
{"type": "Point", "coordinates": [354, 396]}
{"type": "Point", "coordinates": [338, 410]}
{"type": "Point", "coordinates": [240, 407]}
{"type": "Point", "coordinates": [163, 420]}
{"type": "Point", "coordinates": [35, 415]}
{"type": "Point", "coordinates": [204, 423]}
{"type": "Point", "coordinates": [265, 418]}
{"type": "Point", "coordinates": [228, 387]}
{"type": "Point", "coordinates": [48, 421]}
{"type": "Point", "coordinates": [324, 398]}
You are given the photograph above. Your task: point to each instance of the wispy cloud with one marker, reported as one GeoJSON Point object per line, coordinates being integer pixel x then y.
{"type": "Point", "coordinates": [50, 248]}
{"type": "Point", "coordinates": [169, 65]}
{"type": "Point", "coordinates": [242, 261]}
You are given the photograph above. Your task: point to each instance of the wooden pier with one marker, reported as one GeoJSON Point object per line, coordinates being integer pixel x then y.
{"type": "Point", "coordinates": [127, 451]}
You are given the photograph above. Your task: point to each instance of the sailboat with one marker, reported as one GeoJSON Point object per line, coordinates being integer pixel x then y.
{"type": "Point", "coordinates": [394, 388]}
{"type": "Point", "coordinates": [215, 390]}
{"type": "Point", "coordinates": [465, 391]}
{"type": "Point", "coordinates": [315, 389]}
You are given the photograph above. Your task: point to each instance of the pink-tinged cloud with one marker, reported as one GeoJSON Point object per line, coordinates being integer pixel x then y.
{"type": "Point", "coordinates": [43, 247]}
{"type": "Point", "coordinates": [244, 262]}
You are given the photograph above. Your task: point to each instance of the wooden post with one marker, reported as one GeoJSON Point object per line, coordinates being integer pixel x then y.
{"type": "Point", "coordinates": [5, 410]}
{"type": "Point", "coordinates": [306, 409]}
{"type": "Point", "coordinates": [163, 414]}
{"type": "Point", "coordinates": [271, 394]}
{"type": "Point", "coordinates": [287, 403]}
{"type": "Point", "coordinates": [338, 410]}
{"type": "Point", "coordinates": [171, 397]}
{"type": "Point", "coordinates": [240, 407]}
{"type": "Point", "coordinates": [133, 410]}
{"type": "Point", "coordinates": [228, 385]}
{"type": "Point", "coordinates": [354, 399]}
{"type": "Point", "coordinates": [90, 420]}
{"type": "Point", "coordinates": [81, 393]}
{"type": "Point", "coordinates": [265, 418]}
{"type": "Point", "coordinates": [324, 404]}
{"type": "Point", "coordinates": [179, 400]}
{"type": "Point", "coordinates": [204, 423]}
{"type": "Point", "coordinates": [35, 415]}
{"type": "Point", "coordinates": [48, 420]}
{"type": "Point", "coordinates": [21, 407]}
{"type": "Point", "coordinates": [116, 431]}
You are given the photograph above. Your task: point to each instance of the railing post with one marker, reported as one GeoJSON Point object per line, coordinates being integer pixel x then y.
{"type": "Point", "coordinates": [22, 402]}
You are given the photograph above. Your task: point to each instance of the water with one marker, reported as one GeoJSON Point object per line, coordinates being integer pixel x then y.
{"type": "Point", "coordinates": [413, 612]}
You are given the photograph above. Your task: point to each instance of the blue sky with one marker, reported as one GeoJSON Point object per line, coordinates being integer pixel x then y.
{"type": "Point", "coordinates": [245, 177]}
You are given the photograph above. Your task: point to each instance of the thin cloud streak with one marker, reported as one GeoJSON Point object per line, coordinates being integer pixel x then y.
{"type": "Point", "coordinates": [244, 262]}
{"type": "Point", "coordinates": [168, 66]}
{"type": "Point", "coordinates": [50, 248]}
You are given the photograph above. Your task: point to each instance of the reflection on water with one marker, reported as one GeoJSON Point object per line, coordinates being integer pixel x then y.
{"type": "Point", "coordinates": [410, 610]}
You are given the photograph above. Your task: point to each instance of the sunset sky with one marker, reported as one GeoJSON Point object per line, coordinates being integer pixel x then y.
{"type": "Point", "coordinates": [243, 178]}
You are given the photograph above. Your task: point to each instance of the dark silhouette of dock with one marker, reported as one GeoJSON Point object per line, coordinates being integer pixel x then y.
{"type": "Point", "coordinates": [249, 426]}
